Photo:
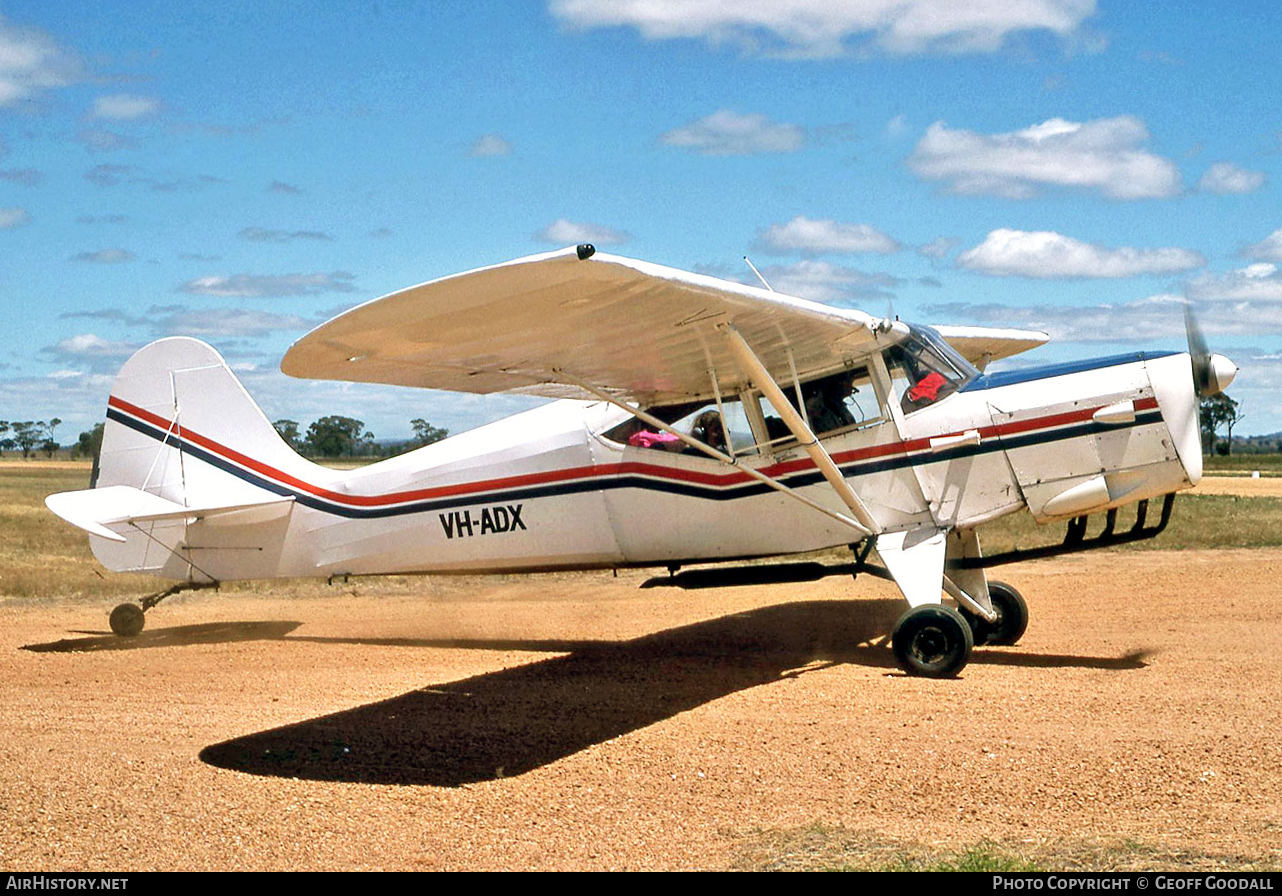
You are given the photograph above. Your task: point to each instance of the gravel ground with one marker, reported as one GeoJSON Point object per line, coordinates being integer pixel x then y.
{"type": "Point", "coordinates": [1242, 486]}
{"type": "Point", "coordinates": [580, 722]}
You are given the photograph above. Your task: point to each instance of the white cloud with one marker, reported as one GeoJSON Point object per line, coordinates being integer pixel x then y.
{"type": "Point", "coordinates": [30, 63]}
{"type": "Point", "coordinates": [1156, 317]}
{"type": "Point", "coordinates": [104, 256]}
{"type": "Point", "coordinates": [263, 235]}
{"type": "Point", "coordinates": [937, 248]}
{"type": "Point", "coordinates": [91, 344]}
{"type": "Point", "coordinates": [1267, 249]}
{"type": "Point", "coordinates": [1104, 155]}
{"type": "Point", "coordinates": [13, 217]}
{"type": "Point", "coordinates": [822, 28]}
{"type": "Point", "coordinates": [820, 281]}
{"type": "Point", "coordinates": [178, 320]}
{"type": "Point", "coordinates": [269, 285]}
{"type": "Point", "coordinates": [1259, 282]}
{"type": "Point", "coordinates": [1049, 255]}
{"type": "Point", "coordinates": [102, 140]}
{"type": "Point", "coordinates": [239, 322]}
{"type": "Point", "coordinates": [1225, 177]}
{"type": "Point", "coordinates": [27, 177]}
{"type": "Point", "coordinates": [115, 315]}
{"type": "Point", "coordinates": [816, 237]}
{"type": "Point", "coordinates": [124, 107]}
{"type": "Point", "coordinates": [726, 133]}
{"type": "Point", "coordinates": [563, 233]}
{"type": "Point", "coordinates": [91, 350]}
{"type": "Point", "coordinates": [490, 145]}
{"type": "Point", "coordinates": [108, 175]}
{"type": "Point", "coordinates": [78, 398]}
{"type": "Point", "coordinates": [1245, 303]}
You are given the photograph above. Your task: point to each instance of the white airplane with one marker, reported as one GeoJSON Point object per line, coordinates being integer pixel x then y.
{"type": "Point", "coordinates": [702, 420]}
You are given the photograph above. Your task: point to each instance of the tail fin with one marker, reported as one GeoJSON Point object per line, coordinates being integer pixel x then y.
{"type": "Point", "coordinates": [184, 441]}
{"type": "Point", "coordinates": [179, 394]}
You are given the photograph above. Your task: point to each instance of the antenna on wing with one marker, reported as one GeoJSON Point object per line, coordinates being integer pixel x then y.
{"type": "Point", "coordinates": [758, 273]}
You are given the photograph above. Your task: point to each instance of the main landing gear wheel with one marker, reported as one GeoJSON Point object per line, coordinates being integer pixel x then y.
{"type": "Point", "coordinates": [933, 641]}
{"type": "Point", "coordinates": [127, 620]}
{"type": "Point", "coordinates": [1012, 617]}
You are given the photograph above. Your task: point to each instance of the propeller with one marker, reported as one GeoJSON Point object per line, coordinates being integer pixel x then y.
{"type": "Point", "coordinates": [1212, 372]}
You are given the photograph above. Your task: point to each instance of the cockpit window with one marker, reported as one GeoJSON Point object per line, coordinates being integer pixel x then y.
{"type": "Point", "coordinates": [924, 369]}
{"type": "Point", "coordinates": [700, 420]}
{"type": "Point", "coordinates": [835, 403]}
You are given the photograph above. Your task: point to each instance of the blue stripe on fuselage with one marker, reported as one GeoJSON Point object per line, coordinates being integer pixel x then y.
{"type": "Point", "coordinates": [1029, 374]}
{"type": "Point", "coordinates": [799, 479]}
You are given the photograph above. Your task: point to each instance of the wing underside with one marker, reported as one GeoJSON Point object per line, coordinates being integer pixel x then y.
{"type": "Point", "coordinates": [547, 324]}
{"type": "Point", "coordinates": [542, 324]}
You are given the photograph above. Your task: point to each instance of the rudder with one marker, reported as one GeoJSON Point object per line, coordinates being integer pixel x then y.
{"type": "Point", "coordinates": [176, 401]}
{"type": "Point", "coordinates": [182, 432]}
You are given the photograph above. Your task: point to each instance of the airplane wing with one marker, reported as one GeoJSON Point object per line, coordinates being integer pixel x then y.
{"type": "Point", "coordinates": [980, 345]}
{"type": "Point", "coordinates": [538, 325]}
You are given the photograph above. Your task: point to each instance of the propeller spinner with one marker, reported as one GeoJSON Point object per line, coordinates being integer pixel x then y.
{"type": "Point", "coordinates": [1212, 372]}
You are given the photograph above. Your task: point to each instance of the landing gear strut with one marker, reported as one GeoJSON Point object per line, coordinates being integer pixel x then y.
{"type": "Point", "coordinates": [932, 641]}
{"type": "Point", "coordinates": [127, 620]}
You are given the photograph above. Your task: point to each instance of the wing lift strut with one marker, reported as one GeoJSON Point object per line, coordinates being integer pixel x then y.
{"type": "Point", "coordinates": [906, 570]}
{"type": "Point", "coordinates": [859, 519]}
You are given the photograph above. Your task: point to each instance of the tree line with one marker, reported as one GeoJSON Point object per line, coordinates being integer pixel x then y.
{"type": "Point", "coordinates": [1215, 413]}
{"type": "Point", "coordinates": [332, 436]}
{"type": "Point", "coordinates": [337, 436]}
{"type": "Point", "coordinates": [29, 436]}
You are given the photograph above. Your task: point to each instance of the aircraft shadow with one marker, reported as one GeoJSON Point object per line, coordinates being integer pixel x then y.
{"type": "Point", "coordinates": [176, 636]}
{"type": "Point", "coordinates": [505, 723]}
{"type": "Point", "coordinates": [1001, 656]}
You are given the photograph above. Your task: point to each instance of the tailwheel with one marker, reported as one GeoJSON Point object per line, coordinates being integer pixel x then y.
{"type": "Point", "coordinates": [933, 641]}
{"type": "Point", "coordinates": [127, 620]}
{"type": "Point", "coordinates": [1012, 617]}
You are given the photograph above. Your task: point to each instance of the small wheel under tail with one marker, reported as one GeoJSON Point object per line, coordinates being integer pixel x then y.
{"type": "Point", "coordinates": [127, 620]}
{"type": "Point", "coordinates": [933, 641]}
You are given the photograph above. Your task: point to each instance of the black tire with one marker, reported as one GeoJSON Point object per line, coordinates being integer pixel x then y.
{"type": "Point", "coordinates": [933, 641]}
{"type": "Point", "coordinates": [1012, 612]}
{"type": "Point", "coordinates": [127, 620]}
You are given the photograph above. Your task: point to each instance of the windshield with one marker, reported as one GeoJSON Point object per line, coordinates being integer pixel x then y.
{"type": "Point", "coordinates": [924, 369]}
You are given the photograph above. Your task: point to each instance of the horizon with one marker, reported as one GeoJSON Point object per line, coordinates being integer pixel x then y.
{"type": "Point", "coordinates": [244, 173]}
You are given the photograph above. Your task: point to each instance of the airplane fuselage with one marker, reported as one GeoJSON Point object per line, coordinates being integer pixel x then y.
{"type": "Point", "coordinates": [550, 489]}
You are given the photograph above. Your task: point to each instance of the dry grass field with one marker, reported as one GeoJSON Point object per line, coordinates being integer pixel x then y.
{"type": "Point", "coordinates": [581, 722]}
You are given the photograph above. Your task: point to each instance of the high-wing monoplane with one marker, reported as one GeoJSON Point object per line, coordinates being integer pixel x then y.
{"type": "Point", "coordinates": [699, 420]}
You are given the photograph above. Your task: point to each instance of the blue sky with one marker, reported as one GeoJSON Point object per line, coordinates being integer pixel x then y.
{"type": "Point", "coordinates": [242, 171]}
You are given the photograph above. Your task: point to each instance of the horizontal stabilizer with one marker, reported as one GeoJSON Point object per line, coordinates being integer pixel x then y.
{"type": "Point", "coordinates": [93, 510]}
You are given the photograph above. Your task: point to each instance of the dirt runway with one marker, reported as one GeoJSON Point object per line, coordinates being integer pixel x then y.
{"type": "Point", "coordinates": [580, 722]}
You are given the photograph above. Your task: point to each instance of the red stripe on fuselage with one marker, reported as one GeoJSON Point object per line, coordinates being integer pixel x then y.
{"type": "Point", "coordinates": [594, 471]}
